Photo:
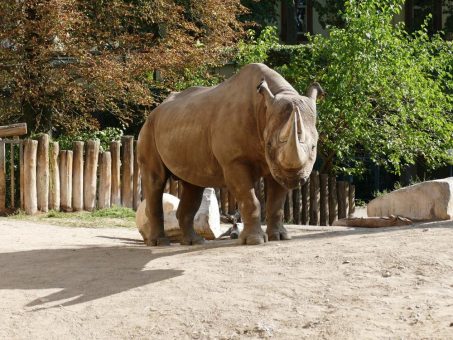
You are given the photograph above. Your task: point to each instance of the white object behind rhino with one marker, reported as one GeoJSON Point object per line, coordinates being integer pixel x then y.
{"type": "Point", "coordinates": [431, 200]}
{"type": "Point", "coordinates": [206, 221]}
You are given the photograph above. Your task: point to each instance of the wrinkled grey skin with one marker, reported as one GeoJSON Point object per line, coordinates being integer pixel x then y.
{"type": "Point", "coordinates": [250, 126]}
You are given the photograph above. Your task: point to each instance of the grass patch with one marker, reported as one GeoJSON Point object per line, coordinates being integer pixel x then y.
{"type": "Point", "coordinates": [102, 218]}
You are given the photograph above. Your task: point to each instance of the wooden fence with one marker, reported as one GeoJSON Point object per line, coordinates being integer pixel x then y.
{"type": "Point", "coordinates": [86, 178]}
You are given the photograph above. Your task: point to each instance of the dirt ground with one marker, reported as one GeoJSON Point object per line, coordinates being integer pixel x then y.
{"type": "Point", "coordinates": [327, 282]}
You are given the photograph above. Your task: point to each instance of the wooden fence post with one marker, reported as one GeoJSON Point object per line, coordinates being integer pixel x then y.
{"type": "Point", "coordinates": [296, 204]}
{"type": "Point", "coordinates": [351, 200]}
{"type": "Point", "coordinates": [43, 173]}
{"type": "Point", "coordinates": [105, 180]}
{"type": "Point", "coordinates": [314, 198]}
{"type": "Point", "coordinates": [77, 176]}
{"type": "Point", "coordinates": [127, 165]}
{"type": "Point", "coordinates": [323, 199]}
{"type": "Point", "coordinates": [341, 194]}
{"type": "Point", "coordinates": [224, 200]}
{"type": "Point", "coordinates": [21, 176]}
{"type": "Point", "coordinates": [231, 203]}
{"type": "Point", "coordinates": [305, 218]}
{"type": "Point", "coordinates": [54, 187]}
{"type": "Point", "coordinates": [136, 182]}
{"type": "Point", "coordinates": [90, 174]}
{"type": "Point", "coordinates": [288, 208]}
{"type": "Point", "coordinates": [259, 193]}
{"type": "Point", "coordinates": [66, 180]}
{"type": "Point", "coordinates": [116, 173]}
{"type": "Point", "coordinates": [333, 201]}
{"type": "Point", "coordinates": [30, 195]}
{"type": "Point", "coordinates": [12, 174]}
{"type": "Point", "coordinates": [2, 177]}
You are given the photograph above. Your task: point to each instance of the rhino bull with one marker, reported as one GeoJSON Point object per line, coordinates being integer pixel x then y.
{"type": "Point", "coordinates": [250, 126]}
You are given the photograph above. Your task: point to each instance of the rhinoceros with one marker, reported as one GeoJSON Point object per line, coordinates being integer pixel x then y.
{"type": "Point", "coordinates": [252, 125]}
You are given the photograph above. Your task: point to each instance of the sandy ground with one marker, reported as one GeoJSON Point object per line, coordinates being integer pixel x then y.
{"type": "Point", "coordinates": [328, 282]}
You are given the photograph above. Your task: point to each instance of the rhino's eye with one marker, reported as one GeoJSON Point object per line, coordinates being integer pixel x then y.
{"type": "Point", "coordinates": [313, 147]}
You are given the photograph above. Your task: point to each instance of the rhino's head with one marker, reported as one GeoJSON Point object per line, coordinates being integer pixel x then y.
{"type": "Point", "coordinates": [290, 133]}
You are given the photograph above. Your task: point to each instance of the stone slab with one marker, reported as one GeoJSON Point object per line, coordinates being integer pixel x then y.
{"type": "Point", "coordinates": [426, 201]}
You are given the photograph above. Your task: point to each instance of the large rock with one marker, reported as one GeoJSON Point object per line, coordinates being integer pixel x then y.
{"type": "Point", "coordinates": [431, 200]}
{"type": "Point", "coordinates": [206, 221]}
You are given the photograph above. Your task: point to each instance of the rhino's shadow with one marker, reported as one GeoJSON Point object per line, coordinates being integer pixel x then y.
{"type": "Point", "coordinates": [82, 274]}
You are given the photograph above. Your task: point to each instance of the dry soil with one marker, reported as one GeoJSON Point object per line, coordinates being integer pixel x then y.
{"type": "Point", "coordinates": [327, 282]}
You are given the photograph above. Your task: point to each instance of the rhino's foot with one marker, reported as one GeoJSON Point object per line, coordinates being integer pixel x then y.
{"type": "Point", "coordinates": [251, 238]}
{"type": "Point", "coordinates": [161, 241]}
{"type": "Point", "coordinates": [278, 234]}
{"type": "Point", "coordinates": [192, 240]}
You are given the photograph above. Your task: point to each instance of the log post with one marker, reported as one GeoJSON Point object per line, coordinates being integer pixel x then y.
{"type": "Point", "coordinates": [105, 180]}
{"type": "Point", "coordinates": [116, 173]}
{"type": "Point", "coordinates": [288, 208]}
{"type": "Point", "coordinates": [43, 173]}
{"type": "Point", "coordinates": [341, 194]}
{"type": "Point", "coordinates": [323, 199]}
{"type": "Point", "coordinates": [224, 200]}
{"type": "Point", "coordinates": [30, 195]}
{"type": "Point", "coordinates": [231, 203]}
{"type": "Point", "coordinates": [180, 187]}
{"type": "Point", "coordinates": [66, 158]}
{"type": "Point", "coordinates": [136, 182]}
{"type": "Point", "coordinates": [346, 198]}
{"type": "Point", "coordinates": [297, 204]}
{"type": "Point", "coordinates": [90, 174]}
{"type": "Point", "coordinates": [2, 177]}
{"type": "Point", "coordinates": [314, 198]}
{"type": "Point", "coordinates": [173, 186]}
{"type": "Point", "coordinates": [333, 201]}
{"type": "Point", "coordinates": [12, 174]}
{"type": "Point", "coordinates": [351, 200]}
{"type": "Point", "coordinates": [21, 176]}
{"type": "Point", "coordinates": [305, 215]}
{"type": "Point", "coordinates": [54, 185]}
{"type": "Point", "coordinates": [77, 176]}
{"type": "Point", "coordinates": [259, 192]}
{"type": "Point", "coordinates": [127, 165]}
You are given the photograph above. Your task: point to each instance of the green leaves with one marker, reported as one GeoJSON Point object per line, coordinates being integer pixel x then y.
{"type": "Point", "coordinates": [389, 92]}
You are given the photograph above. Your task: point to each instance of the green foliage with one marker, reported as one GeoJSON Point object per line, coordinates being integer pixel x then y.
{"type": "Point", "coordinates": [389, 92]}
{"type": "Point", "coordinates": [255, 49]}
{"type": "Point", "coordinates": [105, 137]}
{"type": "Point", "coordinates": [203, 76]}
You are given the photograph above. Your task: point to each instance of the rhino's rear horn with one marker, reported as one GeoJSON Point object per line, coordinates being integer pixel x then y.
{"type": "Point", "coordinates": [315, 91]}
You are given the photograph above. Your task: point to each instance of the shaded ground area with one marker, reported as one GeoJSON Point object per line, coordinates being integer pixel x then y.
{"type": "Point", "coordinates": [60, 282]}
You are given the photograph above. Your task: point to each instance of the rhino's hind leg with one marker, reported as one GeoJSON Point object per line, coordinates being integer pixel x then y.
{"type": "Point", "coordinates": [188, 207]}
{"type": "Point", "coordinates": [276, 196]}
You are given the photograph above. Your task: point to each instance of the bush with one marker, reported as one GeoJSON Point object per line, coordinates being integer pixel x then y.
{"type": "Point", "coordinates": [105, 137]}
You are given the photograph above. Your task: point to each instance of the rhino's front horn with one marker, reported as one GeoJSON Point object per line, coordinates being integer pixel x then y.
{"type": "Point", "coordinates": [292, 155]}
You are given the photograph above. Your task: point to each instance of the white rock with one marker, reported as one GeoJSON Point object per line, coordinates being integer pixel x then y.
{"type": "Point", "coordinates": [206, 221]}
{"type": "Point", "coordinates": [431, 200]}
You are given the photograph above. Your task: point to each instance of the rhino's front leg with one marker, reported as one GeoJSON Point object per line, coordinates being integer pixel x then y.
{"type": "Point", "coordinates": [276, 195]}
{"type": "Point", "coordinates": [240, 183]}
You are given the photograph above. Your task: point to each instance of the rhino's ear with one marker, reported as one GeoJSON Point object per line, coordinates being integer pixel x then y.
{"type": "Point", "coordinates": [264, 90]}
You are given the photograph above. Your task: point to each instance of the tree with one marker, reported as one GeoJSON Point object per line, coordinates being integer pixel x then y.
{"type": "Point", "coordinates": [389, 92]}
{"type": "Point", "coordinates": [64, 64]}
